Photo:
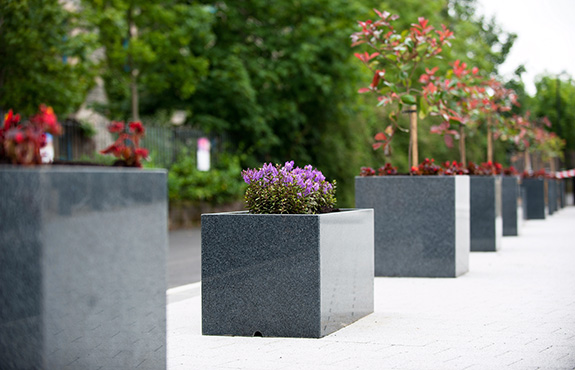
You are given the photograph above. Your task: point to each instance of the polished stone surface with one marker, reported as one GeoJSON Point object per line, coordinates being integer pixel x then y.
{"type": "Point", "coordinates": [486, 220]}
{"type": "Point", "coordinates": [82, 277]}
{"type": "Point", "coordinates": [534, 198]}
{"type": "Point", "coordinates": [509, 205]}
{"type": "Point", "coordinates": [552, 196]}
{"type": "Point", "coordinates": [561, 192]}
{"type": "Point", "coordinates": [421, 224]}
{"type": "Point", "coordinates": [286, 275]}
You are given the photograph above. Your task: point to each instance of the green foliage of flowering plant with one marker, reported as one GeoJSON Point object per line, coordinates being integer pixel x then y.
{"type": "Point", "coordinates": [288, 190]}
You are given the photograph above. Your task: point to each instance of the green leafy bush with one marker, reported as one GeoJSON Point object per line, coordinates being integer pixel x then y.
{"type": "Point", "coordinates": [222, 184]}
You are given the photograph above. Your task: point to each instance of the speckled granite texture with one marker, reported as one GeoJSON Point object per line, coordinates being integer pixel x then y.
{"type": "Point", "coordinates": [534, 198]}
{"type": "Point", "coordinates": [552, 196]}
{"type": "Point", "coordinates": [286, 275]}
{"type": "Point", "coordinates": [486, 221]}
{"type": "Point", "coordinates": [82, 276]}
{"type": "Point", "coordinates": [561, 192]}
{"type": "Point", "coordinates": [421, 224]}
{"type": "Point", "coordinates": [509, 204]}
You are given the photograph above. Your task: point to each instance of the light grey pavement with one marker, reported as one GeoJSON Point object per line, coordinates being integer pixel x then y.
{"type": "Point", "coordinates": [184, 257]}
{"type": "Point", "coordinates": [514, 309]}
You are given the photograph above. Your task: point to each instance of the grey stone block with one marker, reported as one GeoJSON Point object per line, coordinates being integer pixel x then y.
{"type": "Point", "coordinates": [561, 186]}
{"type": "Point", "coordinates": [286, 275]}
{"type": "Point", "coordinates": [82, 276]}
{"type": "Point", "coordinates": [421, 224]}
{"type": "Point", "coordinates": [552, 198]}
{"type": "Point", "coordinates": [534, 198]}
{"type": "Point", "coordinates": [509, 205]}
{"type": "Point", "coordinates": [486, 220]}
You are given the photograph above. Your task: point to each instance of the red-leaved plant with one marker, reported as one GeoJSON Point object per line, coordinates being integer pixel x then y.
{"type": "Point", "coordinates": [21, 141]}
{"type": "Point", "coordinates": [394, 59]}
{"type": "Point", "coordinates": [426, 168]}
{"type": "Point", "coordinates": [386, 170]}
{"type": "Point", "coordinates": [127, 146]}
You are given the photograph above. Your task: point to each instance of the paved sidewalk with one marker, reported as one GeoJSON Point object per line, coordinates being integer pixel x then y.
{"type": "Point", "coordinates": [514, 309]}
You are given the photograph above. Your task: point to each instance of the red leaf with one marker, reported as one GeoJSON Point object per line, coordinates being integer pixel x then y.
{"type": "Point", "coordinates": [380, 136]}
{"type": "Point", "coordinates": [363, 90]}
{"type": "Point", "coordinates": [448, 141]}
{"type": "Point", "coordinates": [377, 146]}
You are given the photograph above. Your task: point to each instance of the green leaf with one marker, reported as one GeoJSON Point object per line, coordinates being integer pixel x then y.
{"type": "Point", "coordinates": [423, 108]}
{"type": "Point", "coordinates": [408, 99]}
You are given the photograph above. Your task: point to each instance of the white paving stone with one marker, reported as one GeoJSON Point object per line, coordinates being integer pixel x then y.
{"type": "Point", "coordinates": [514, 309]}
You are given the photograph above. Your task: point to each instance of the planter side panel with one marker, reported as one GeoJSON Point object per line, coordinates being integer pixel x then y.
{"type": "Point", "coordinates": [260, 274]}
{"type": "Point", "coordinates": [509, 205]}
{"type": "Point", "coordinates": [415, 226]}
{"type": "Point", "coordinates": [103, 251]}
{"type": "Point", "coordinates": [346, 268]}
{"type": "Point", "coordinates": [534, 191]}
{"type": "Point", "coordinates": [486, 221]}
{"type": "Point", "coordinates": [552, 196]}
{"type": "Point", "coordinates": [21, 334]}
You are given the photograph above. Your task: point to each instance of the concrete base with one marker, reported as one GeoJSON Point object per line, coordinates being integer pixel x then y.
{"type": "Point", "coordinates": [421, 224]}
{"type": "Point", "coordinates": [286, 275]}
{"type": "Point", "coordinates": [82, 276]}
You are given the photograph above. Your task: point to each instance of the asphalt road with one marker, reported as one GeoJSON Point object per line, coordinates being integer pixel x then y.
{"type": "Point", "coordinates": [184, 257]}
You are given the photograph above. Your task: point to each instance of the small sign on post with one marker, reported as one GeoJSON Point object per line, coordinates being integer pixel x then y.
{"type": "Point", "coordinates": [203, 155]}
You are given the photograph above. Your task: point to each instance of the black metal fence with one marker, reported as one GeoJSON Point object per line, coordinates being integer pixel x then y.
{"type": "Point", "coordinates": [165, 143]}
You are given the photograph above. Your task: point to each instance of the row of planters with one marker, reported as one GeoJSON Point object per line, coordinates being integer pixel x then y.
{"type": "Point", "coordinates": [293, 265]}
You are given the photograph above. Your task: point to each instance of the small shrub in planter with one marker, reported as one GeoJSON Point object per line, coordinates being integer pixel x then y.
{"type": "Point", "coordinates": [290, 246]}
{"type": "Point", "coordinates": [288, 190]}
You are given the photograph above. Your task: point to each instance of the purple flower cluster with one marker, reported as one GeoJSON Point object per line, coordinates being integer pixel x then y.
{"type": "Point", "coordinates": [308, 179]}
{"type": "Point", "coordinates": [288, 189]}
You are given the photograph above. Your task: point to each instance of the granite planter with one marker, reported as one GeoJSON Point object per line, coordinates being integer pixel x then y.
{"type": "Point", "coordinates": [82, 276]}
{"type": "Point", "coordinates": [421, 224]}
{"type": "Point", "coordinates": [286, 275]}
{"type": "Point", "coordinates": [552, 196]}
{"type": "Point", "coordinates": [533, 198]}
{"type": "Point", "coordinates": [486, 220]}
{"type": "Point", "coordinates": [509, 205]}
{"type": "Point", "coordinates": [561, 192]}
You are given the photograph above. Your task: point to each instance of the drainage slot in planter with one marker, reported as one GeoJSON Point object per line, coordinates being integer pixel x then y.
{"type": "Point", "coordinates": [258, 334]}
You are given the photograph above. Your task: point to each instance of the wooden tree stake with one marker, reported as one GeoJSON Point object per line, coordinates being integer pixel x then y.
{"type": "Point", "coordinates": [413, 135]}
{"type": "Point", "coordinates": [489, 140]}
{"type": "Point", "coordinates": [462, 155]}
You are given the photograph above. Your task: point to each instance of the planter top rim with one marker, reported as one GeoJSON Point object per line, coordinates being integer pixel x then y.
{"type": "Point", "coordinates": [330, 214]}
{"type": "Point", "coordinates": [85, 169]}
{"type": "Point", "coordinates": [413, 177]}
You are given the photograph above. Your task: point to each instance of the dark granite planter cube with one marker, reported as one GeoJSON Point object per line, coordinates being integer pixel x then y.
{"type": "Point", "coordinates": [509, 205]}
{"type": "Point", "coordinates": [561, 192]}
{"type": "Point", "coordinates": [486, 220]}
{"type": "Point", "coordinates": [286, 275]}
{"type": "Point", "coordinates": [552, 198]}
{"type": "Point", "coordinates": [82, 268]}
{"type": "Point", "coordinates": [534, 198]}
{"type": "Point", "coordinates": [421, 224]}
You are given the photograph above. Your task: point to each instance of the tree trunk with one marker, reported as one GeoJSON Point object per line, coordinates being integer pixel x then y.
{"type": "Point", "coordinates": [462, 156]}
{"type": "Point", "coordinates": [527, 161]}
{"type": "Point", "coordinates": [132, 34]}
{"type": "Point", "coordinates": [489, 140]}
{"type": "Point", "coordinates": [413, 135]}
